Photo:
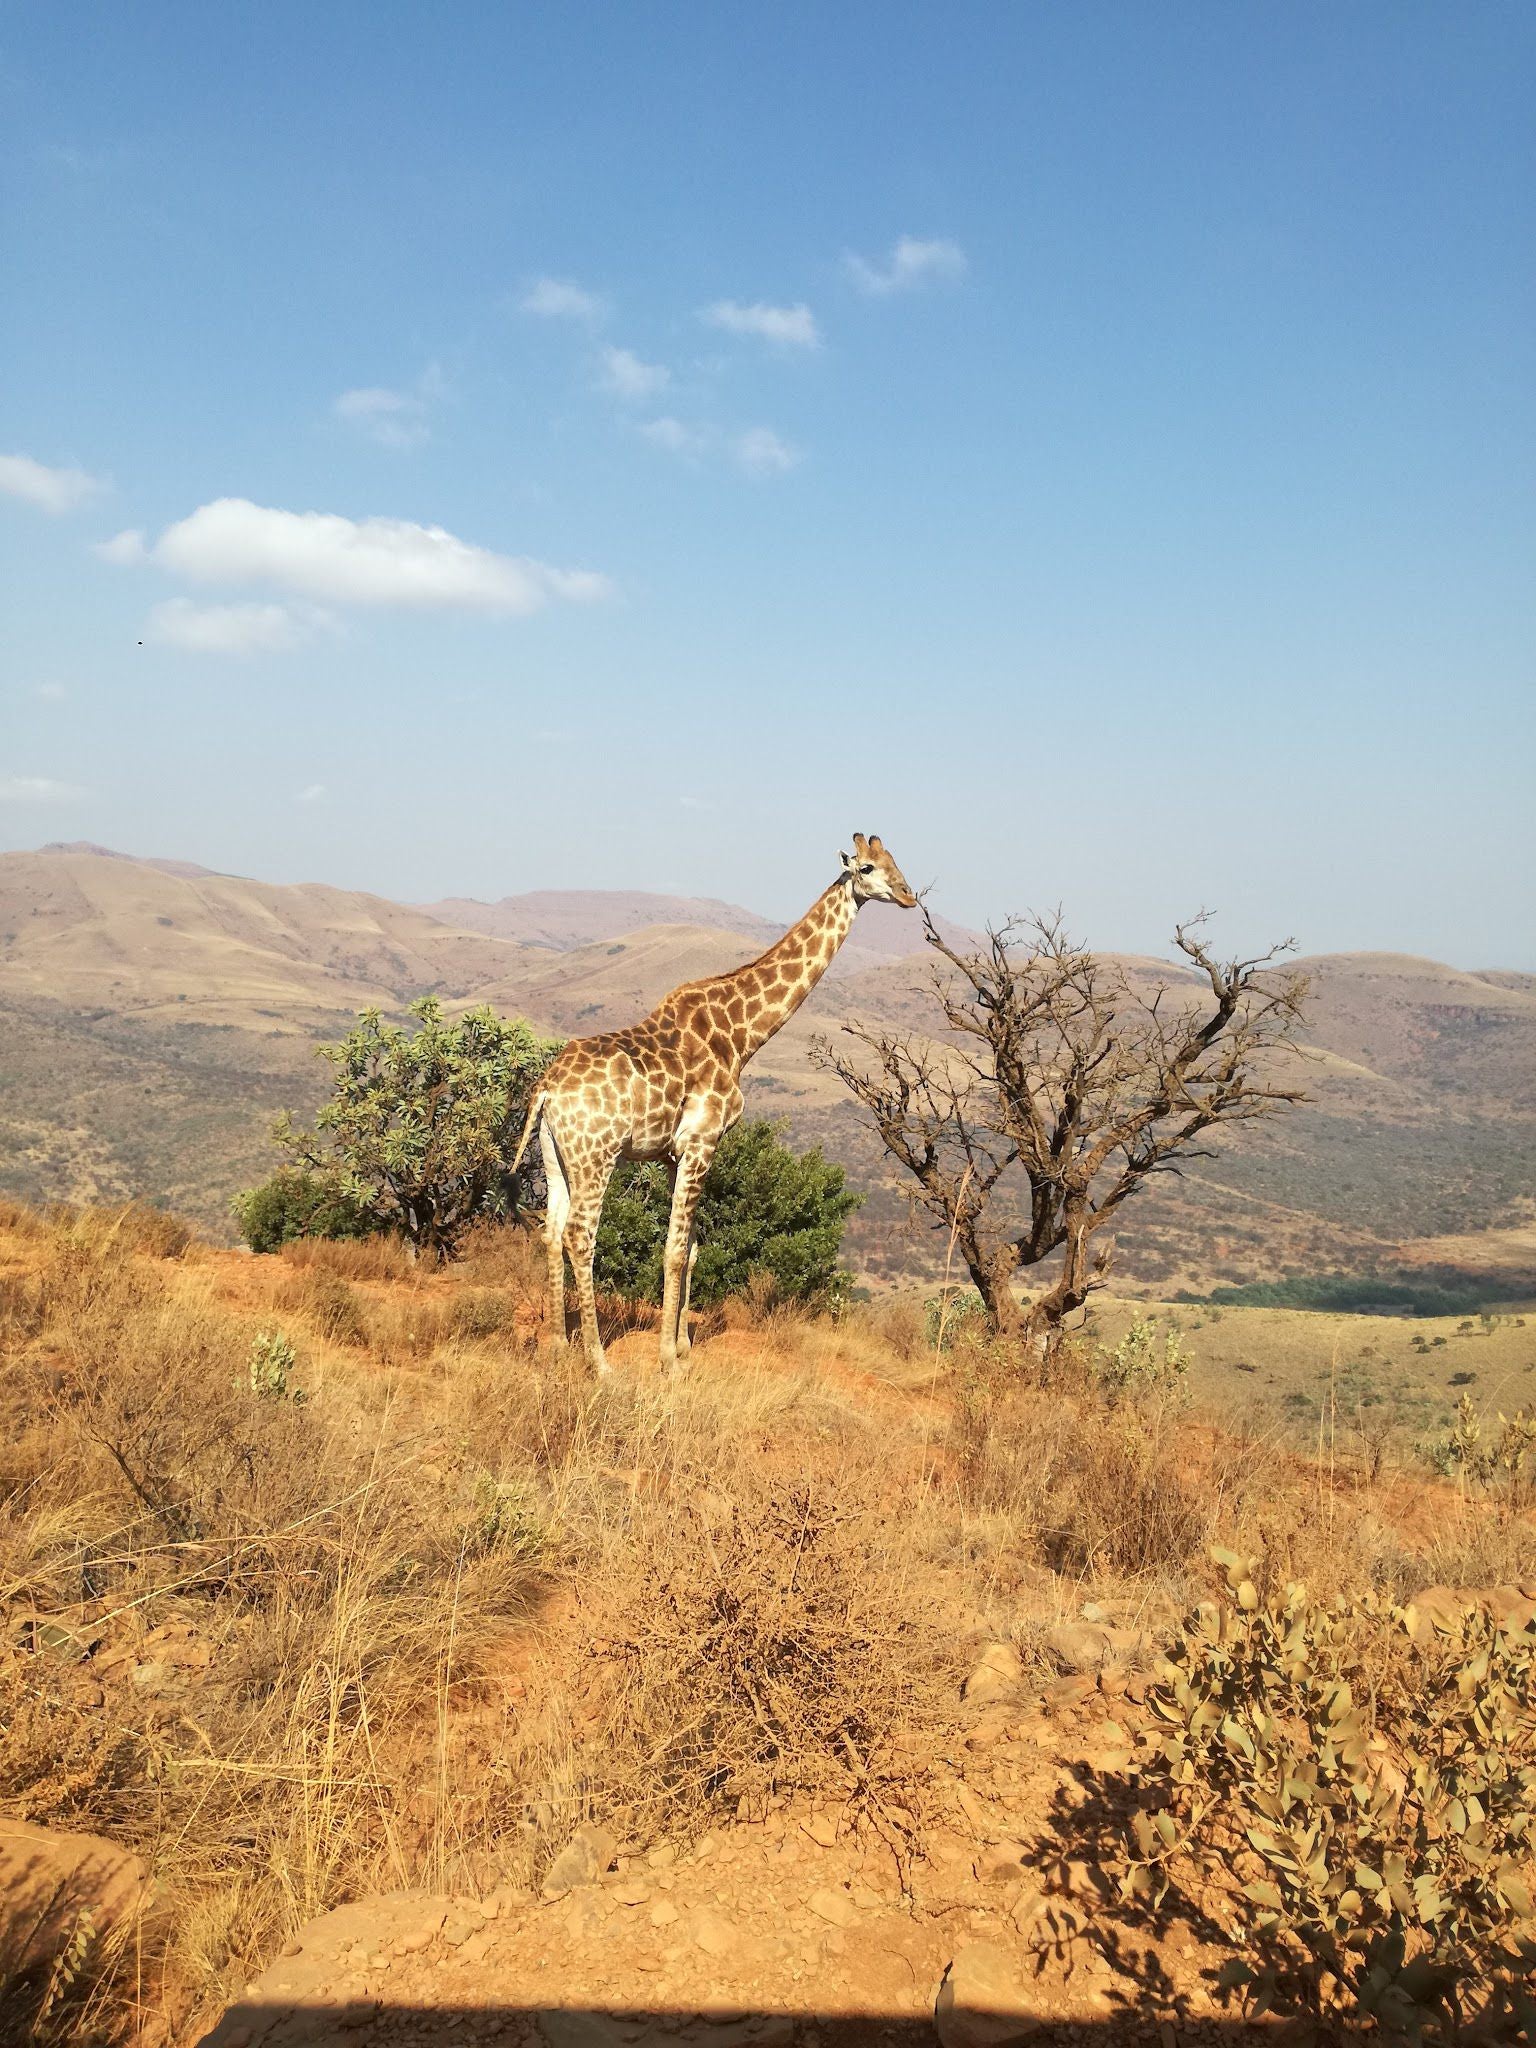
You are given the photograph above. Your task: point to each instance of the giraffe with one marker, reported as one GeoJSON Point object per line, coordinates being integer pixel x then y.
{"type": "Point", "coordinates": [668, 1088]}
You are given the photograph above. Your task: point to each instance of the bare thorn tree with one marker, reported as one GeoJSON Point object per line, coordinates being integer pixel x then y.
{"type": "Point", "coordinates": [1051, 1090]}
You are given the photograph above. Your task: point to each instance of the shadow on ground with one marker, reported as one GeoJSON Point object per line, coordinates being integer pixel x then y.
{"type": "Point", "coordinates": [384, 2025]}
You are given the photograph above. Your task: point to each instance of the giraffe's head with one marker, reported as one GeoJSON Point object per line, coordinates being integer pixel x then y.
{"type": "Point", "coordinates": [874, 876]}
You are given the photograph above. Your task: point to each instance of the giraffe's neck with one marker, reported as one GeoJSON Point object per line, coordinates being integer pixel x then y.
{"type": "Point", "coordinates": [778, 983]}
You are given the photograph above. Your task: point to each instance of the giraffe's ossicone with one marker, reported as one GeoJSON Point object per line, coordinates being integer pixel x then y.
{"type": "Point", "coordinates": [669, 1088]}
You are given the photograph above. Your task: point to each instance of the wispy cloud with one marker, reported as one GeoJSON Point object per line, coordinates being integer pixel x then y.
{"type": "Point", "coordinates": [762, 452]}
{"type": "Point", "coordinates": [224, 628]}
{"type": "Point", "coordinates": [557, 298]}
{"type": "Point", "coordinates": [51, 490]}
{"type": "Point", "coordinates": [626, 376]}
{"type": "Point", "coordinates": [37, 789]}
{"type": "Point", "coordinates": [911, 263]}
{"type": "Point", "coordinates": [51, 693]}
{"type": "Point", "coordinates": [759, 451]}
{"type": "Point", "coordinates": [784, 326]}
{"type": "Point", "coordinates": [676, 436]}
{"type": "Point", "coordinates": [335, 560]}
{"type": "Point", "coordinates": [395, 419]}
{"type": "Point", "coordinates": [311, 793]}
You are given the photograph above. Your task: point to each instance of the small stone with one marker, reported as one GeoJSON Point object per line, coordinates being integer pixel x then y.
{"type": "Point", "coordinates": [585, 1915]}
{"type": "Point", "coordinates": [663, 1856]}
{"type": "Point", "coordinates": [994, 1676]}
{"type": "Point", "coordinates": [834, 1906]}
{"type": "Point", "coordinates": [459, 1924]}
{"type": "Point", "coordinates": [1066, 1693]}
{"type": "Point", "coordinates": [822, 1828]}
{"type": "Point", "coordinates": [981, 2003]}
{"type": "Point", "coordinates": [713, 1933]}
{"type": "Point", "coordinates": [663, 1913]}
{"type": "Point", "coordinates": [1079, 1645]}
{"type": "Point", "coordinates": [633, 1891]}
{"type": "Point", "coordinates": [583, 1860]}
{"type": "Point", "coordinates": [1000, 1860]}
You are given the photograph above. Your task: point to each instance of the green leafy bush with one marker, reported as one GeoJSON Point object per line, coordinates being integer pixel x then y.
{"type": "Point", "coordinates": [271, 1364]}
{"type": "Point", "coordinates": [765, 1210]}
{"type": "Point", "coordinates": [420, 1125]}
{"type": "Point", "coordinates": [954, 1313]}
{"type": "Point", "coordinates": [1139, 1370]}
{"type": "Point", "coordinates": [1359, 1782]}
{"type": "Point", "coordinates": [295, 1204]}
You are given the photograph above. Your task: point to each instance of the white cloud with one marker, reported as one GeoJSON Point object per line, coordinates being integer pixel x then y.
{"type": "Point", "coordinates": [761, 452]}
{"type": "Point", "coordinates": [223, 628]}
{"type": "Point", "coordinates": [311, 793]}
{"type": "Point", "coordinates": [53, 490]}
{"type": "Point", "coordinates": [674, 435]}
{"type": "Point", "coordinates": [911, 263]}
{"type": "Point", "coordinates": [395, 419]}
{"type": "Point", "coordinates": [785, 326]}
{"type": "Point", "coordinates": [331, 559]}
{"type": "Point", "coordinates": [37, 789]}
{"type": "Point", "coordinates": [124, 548]}
{"type": "Point", "coordinates": [51, 693]}
{"type": "Point", "coordinates": [626, 376]}
{"type": "Point", "coordinates": [556, 298]}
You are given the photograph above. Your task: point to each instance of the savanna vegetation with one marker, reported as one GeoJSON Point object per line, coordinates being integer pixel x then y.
{"type": "Point", "coordinates": [324, 1574]}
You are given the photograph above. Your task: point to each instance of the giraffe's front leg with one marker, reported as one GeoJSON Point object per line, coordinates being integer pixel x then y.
{"type": "Point", "coordinates": [687, 1185]}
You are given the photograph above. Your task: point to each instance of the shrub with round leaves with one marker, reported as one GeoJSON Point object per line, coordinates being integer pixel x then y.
{"type": "Point", "coordinates": [1359, 1781]}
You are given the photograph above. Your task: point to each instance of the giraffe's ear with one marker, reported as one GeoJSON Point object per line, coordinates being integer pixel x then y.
{"type": "Point", "coordinates": [847, 861]}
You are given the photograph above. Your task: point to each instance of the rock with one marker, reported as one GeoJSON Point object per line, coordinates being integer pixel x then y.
{"type": "Point", "coordinates": [999, 1860]}
{"type": "Point", "coordinates": [1079, 1645]}
{"type": "Point", "coordinates": [583, 1860]}
{"type": "Point", "coordinates": [834, 1906]}
{"type": "Point", "coordinates": [663, 1856]}
{"type": "Point", "coordinates": [631, 1891]}
{"type": "Point", "coordinates": [315, 1980]}
{"type": "Point", "coordinates": [1513, 1607]}
{"type": "Point", "coordinates": [713, 1933]}
{"type": "Point", "coordinates": [994, 1676]}
{"type": "Point", "coordinates": [981, 2002]}
{"type": "Point", "coordinates": [50, 1881]}
{"type": "Point", "coordinates": [585, 1915]}
{"type": "Point", "coordinates": [822, 1828]}
{"type": "Point", "coordinates": [663, 1913]}
{"type": "Point", "coordinates": [1067, 1693]}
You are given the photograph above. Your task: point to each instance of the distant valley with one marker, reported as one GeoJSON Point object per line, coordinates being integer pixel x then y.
{"type": "Point", "coordinates": [156, 1015]}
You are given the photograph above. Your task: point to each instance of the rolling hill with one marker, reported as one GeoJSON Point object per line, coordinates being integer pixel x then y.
{"type": "Point", "coordinates": [156, 1015]}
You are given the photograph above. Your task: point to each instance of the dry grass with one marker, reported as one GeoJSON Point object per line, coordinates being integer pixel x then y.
{"type": "Point", "coordinates": [406, 1629]}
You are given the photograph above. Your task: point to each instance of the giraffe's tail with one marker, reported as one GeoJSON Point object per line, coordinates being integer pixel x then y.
{"type": "Point", "coordinates": [530, 1123]}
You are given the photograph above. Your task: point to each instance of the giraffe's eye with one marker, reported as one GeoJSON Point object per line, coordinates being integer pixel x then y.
{"type": "Point", "coordinates": [867, 868]}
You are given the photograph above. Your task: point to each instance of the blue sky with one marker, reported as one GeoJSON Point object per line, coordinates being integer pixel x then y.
{"type": "Point", "coordinates": [477, 448]}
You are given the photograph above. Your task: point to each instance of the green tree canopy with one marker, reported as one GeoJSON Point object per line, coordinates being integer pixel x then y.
{"type": "Point", "coordinates": [421, 1125]}
{"type": "Point", "coordinates": [765, 1209]}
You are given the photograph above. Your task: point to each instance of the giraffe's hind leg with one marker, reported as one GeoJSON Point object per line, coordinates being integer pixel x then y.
{"type": "Point", "coordinates": [687, 1186]}
{"type": "Point", "coordinates": [556, 1216]}
{"type": "Point", "coordinates": [589, 1184]}
{"type": "Point", "coordinates": [684, 1339]}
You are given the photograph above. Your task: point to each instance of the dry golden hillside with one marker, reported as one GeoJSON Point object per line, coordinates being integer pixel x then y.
{"type": "Point", "coordinates": [323, 1578]}
{"type": "Point", "coordinates": [159, 1016]}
